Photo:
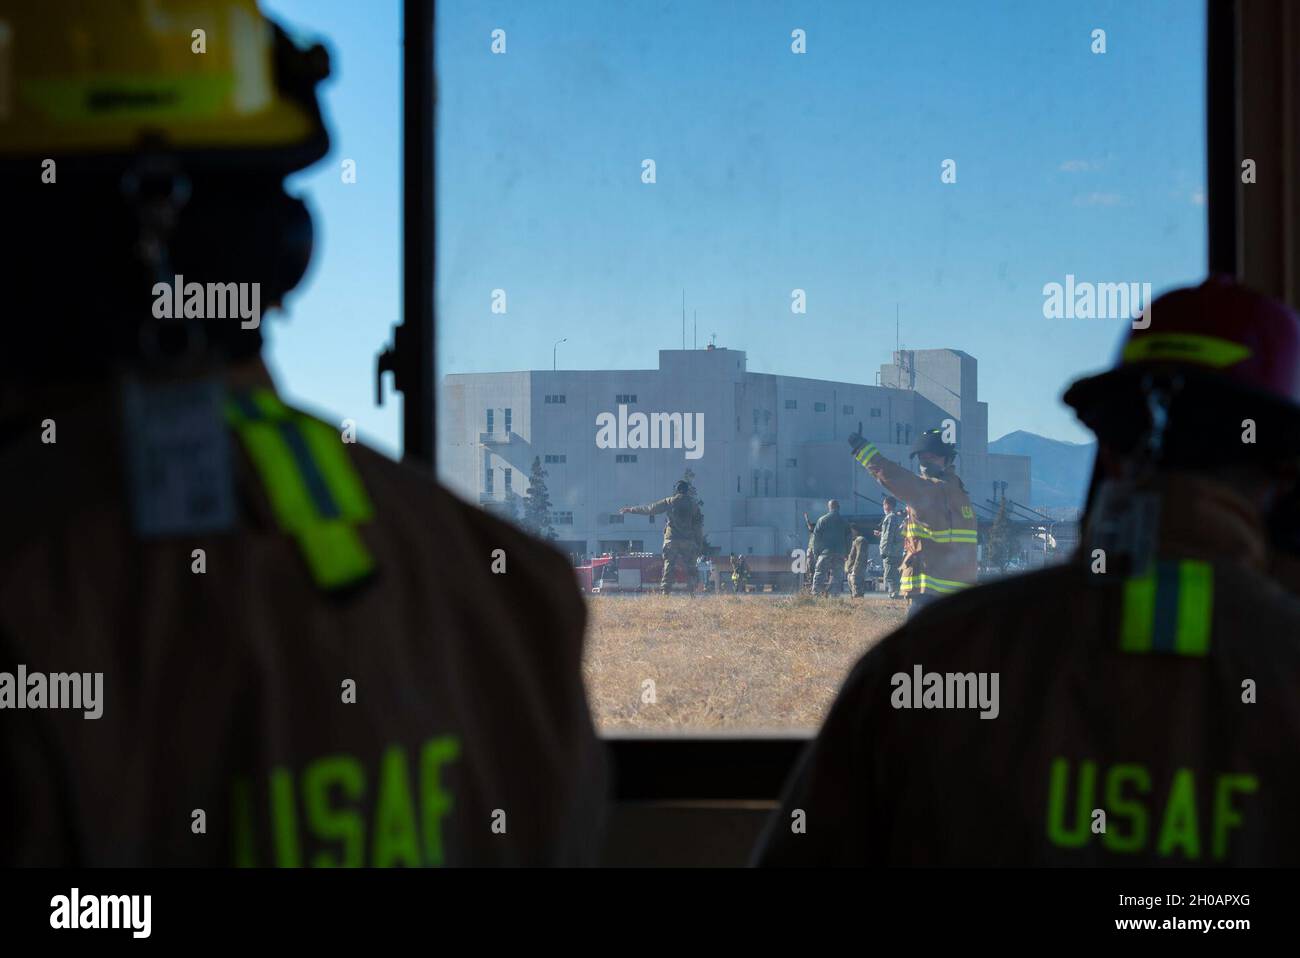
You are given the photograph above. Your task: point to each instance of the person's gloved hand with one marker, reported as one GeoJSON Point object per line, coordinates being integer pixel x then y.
{"type": "Point", "coordinates": [856, 441]}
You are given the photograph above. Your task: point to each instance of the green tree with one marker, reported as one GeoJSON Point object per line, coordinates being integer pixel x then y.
{"type": "Point", "coordinates": [998, 553]}
{"type": "Point", "coordinates": [511, 509]}
{"type": "Point", "coordinates": [537, 503]}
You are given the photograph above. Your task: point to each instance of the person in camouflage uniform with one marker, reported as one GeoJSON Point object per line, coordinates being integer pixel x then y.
{"type": "Point", "coordinates": [809, 557]}
{"type": "Point", "coordinates": [683, 533]}
{"type": "Point", "coordinates": [891, 544]}
{"type": "Point", "coordinates": [855, 566]}
{"type": "Point", "coordinates": [830, 545]}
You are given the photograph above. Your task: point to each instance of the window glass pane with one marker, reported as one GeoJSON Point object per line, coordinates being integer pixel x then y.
{"type": "Point", "coordinates": [712, 242]}
{"type": "Point", "coordinates": [322, 351]}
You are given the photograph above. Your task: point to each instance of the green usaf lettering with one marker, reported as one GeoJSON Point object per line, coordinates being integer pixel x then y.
{"type": "Point", "coordinates": [345, 825]}
{"type": "Point", "coordinates": [1128, 801]}
{"type": "Point", "coordinates": [406, 827]}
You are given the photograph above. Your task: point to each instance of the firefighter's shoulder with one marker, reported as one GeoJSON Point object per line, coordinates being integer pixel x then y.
{"type": "Point", "coordinates": [1039, 618]}
{"type": "Point", "coordinates": [1016, 615]}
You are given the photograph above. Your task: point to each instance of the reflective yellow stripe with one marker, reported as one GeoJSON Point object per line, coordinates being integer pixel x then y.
{"type": "Point", "coordinates": [866, 453]}
{"type": "Point", "coordinates": [1185, 347]}
{"type": "Point", "coordinates": [1169, 608]}
{"type": "Point", "coordinates": [917, 531]}
{"type": "Point", "coordinates": [138, 97]}
{"type": "Point", "coordinates": [930, 583]}
{"type": "Point", "coordinates": [310, 482]}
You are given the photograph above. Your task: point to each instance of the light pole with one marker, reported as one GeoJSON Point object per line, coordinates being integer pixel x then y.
{"type": "Point", "coordinates": [553, 349]}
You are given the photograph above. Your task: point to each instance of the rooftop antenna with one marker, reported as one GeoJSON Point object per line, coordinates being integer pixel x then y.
{"type": "Point", "coordinates": [897, 347]}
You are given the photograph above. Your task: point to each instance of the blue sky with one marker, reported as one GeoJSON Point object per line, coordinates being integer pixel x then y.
{"type": "Point", "coordinates": [775, 171]}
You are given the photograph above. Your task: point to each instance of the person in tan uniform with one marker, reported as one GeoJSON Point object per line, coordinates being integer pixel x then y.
{"type": "Point", "coordinates": [683, 533]}
{"type": "Point", "coordinates": [1133, 707]}
{"type": "Point", "coordinates": [300, 652]}
{"type": "Point", "coordinates": [940, 537]}
{"type": "Point", "coordinates": [855, 563]}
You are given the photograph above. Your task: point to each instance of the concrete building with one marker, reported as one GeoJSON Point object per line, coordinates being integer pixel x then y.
{"type": "Point", "coordinates": [771, 447]}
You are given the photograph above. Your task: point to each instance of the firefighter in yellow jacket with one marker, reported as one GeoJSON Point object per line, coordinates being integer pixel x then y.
{"type": "Point", "coordinates": [939, 540]}
{"type": "Point", "coordinates": [316, 653]}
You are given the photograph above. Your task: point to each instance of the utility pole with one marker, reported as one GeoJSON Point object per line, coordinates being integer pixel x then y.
{"type": "Point", "coordinates": [554, 348]}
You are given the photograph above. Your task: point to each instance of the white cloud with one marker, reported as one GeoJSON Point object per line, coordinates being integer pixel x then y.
{"type": "Point", "coordinates": [1098, 199]}
{"type": "Point", "coordinates": [1079, 166]}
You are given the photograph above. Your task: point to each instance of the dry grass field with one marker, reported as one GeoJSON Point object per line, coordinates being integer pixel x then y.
{"type": "Point", "coordinates": [725, 662]}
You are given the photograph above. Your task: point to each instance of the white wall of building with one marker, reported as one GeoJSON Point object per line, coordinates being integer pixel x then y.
{"type": "Point", "coordinates": [773, 446]}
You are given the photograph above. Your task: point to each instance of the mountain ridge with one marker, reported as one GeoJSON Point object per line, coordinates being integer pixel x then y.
{"type": "Point", "coordinates": [1059, 471]}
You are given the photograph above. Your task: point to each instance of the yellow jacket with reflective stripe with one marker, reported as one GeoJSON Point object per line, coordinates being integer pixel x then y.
{"type": "Point", "coordinates": [939, 540]}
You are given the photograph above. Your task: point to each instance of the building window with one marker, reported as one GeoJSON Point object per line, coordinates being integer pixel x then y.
{"type": "Point", "coordinates": [738, 485]}
{"type": "Point", "coordinates": [756, 415]}
{"type": "Point", "coordinates": [792, 404]}
{"type": "Point", "coordinates": [487, 480]}
{"type": "Point", "coordinates": [875, 413]}
{"type": "Point", "coordinates": [848, 410]}
{"type": "Point", "coordinates": [508, 423]}
{"type": "Point", "coordinates": [554, 399]}
{"type": "Point", "coordinates": [509, 475]}
{"type": "Point", "coordinates": [767, 480]}
{"type": "Point", "coordinates": [556, 459]}
{"type": "Point", "coordinates": [898, 433]}
{"type": "Point", "coordinates": [620, 547]}
{"type": "Point", "coordinates": [819, 407]}
{"type": "Point", "coordinates": [561, 518]}
{"type": "Point", "coordinates": [625, 399]}
{"type": "Point", "coordinates": [907, 433]}
{"type": "Point", "coordinates": [767, 415]}
{"type": "Point", "coordinates": [792, 463]}
{"type": "Point", "coordinates": [755, 483]}
{"type": "Point", "coordinates": [616, 518]}
{"type": "Point", "coordinates": [489, 420]}
{"type": "Point", "coordinates": [625, 457]}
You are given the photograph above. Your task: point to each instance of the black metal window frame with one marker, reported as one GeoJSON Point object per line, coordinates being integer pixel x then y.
{"type": "Point", "coordinates": [702, 768]}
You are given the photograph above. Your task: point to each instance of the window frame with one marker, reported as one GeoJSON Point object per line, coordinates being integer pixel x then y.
{"type": "Point", "coordinates": [751, 766]}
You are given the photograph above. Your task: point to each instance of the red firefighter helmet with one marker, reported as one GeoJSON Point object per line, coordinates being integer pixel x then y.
{"type": "Point", "coordinates": [1223, 354]}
